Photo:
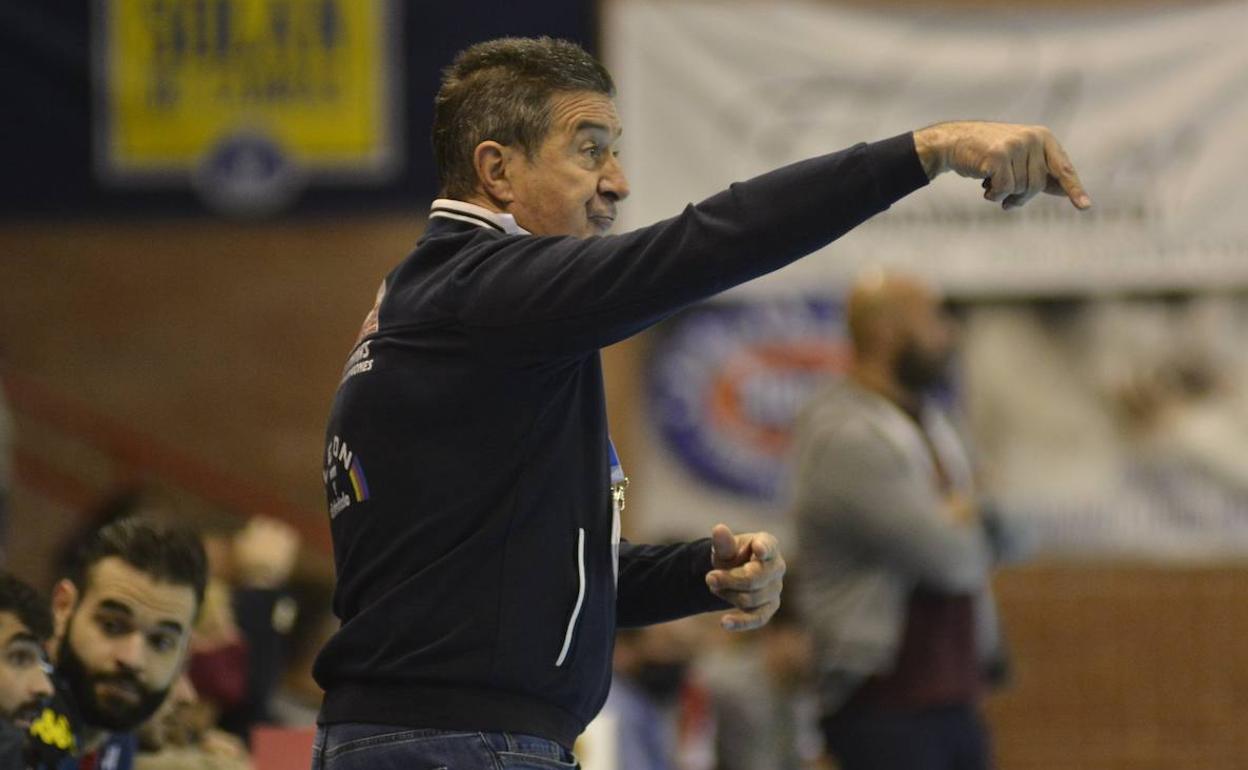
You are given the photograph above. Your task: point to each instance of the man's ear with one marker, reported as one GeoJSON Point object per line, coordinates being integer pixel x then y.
{"type": "Point", "coordinates": [64, 599]}
{"type": "Point", "coordinates": [492, 161]}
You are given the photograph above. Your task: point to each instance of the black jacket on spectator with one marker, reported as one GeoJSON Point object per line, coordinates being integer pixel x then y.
{"type": "Point", "coordinates": [467, 465]}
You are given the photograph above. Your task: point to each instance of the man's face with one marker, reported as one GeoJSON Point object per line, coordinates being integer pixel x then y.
{"type": "Point", "coordinates": [122, 643]}
{"type": "Point", "coordinates": [572, 184]}
{"type": "Point", "coordinates": [24, 683]}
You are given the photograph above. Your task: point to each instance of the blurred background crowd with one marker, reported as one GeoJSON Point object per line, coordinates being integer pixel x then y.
{"type": "Point", "coordinates": [200, 197]}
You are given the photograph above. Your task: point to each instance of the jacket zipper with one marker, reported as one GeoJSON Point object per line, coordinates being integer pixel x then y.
{"type": "Point", "coordinates": [580, 597]}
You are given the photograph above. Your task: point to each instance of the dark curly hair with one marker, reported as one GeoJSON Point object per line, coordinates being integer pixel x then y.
{"type": "Point", "coordinates": [167, 554]}
{"type": "Point", "coordinates": [26, 603]}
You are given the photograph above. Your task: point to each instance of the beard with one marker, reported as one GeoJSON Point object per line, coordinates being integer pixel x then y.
{"type": "Point", "coordinates": [102, 711]}
{"type": "Point", "coordinates": [920, 371]}
{"type": "Point", "coordinates": [26, 714]}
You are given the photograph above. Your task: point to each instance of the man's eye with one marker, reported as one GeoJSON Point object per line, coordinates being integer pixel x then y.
{"type": "Point", "coordinates": [163, 642]}
{"type": "Point", "coordinates": [593, 151]}
{"type": "Point", "coordinates": [21, 658]}
{"type": "Point", "coordinates": [114, 627]}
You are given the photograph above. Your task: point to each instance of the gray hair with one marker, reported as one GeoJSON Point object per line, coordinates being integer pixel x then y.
{"type": "Point", "coordinates": [501, 90]}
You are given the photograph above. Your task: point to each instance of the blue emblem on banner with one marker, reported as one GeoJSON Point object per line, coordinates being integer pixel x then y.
{"type": "Point", "coordinates": [726, 381]}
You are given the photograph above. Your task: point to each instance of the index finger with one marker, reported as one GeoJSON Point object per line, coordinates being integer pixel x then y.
{"type": "Point", "coordinates": [1063, 172]}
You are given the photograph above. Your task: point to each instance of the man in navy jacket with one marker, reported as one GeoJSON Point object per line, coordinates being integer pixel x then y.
{"type": "Point", "coordinates": [473, 491]}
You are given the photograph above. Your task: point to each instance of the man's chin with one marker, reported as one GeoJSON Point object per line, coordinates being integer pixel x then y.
{"type": "Point", "coordinates": [25, 718]}
{"type": "Point", "coordinates": [118, 710]}
{"type": "Point", "coordinates": [119, 716]}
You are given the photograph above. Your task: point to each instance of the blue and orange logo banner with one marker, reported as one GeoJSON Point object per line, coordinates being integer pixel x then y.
{"type": "Point", "coordinates": [727, 379]}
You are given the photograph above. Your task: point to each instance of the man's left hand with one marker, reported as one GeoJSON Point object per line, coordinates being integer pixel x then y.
{"type": "Point", "coordinates": [747, 571]}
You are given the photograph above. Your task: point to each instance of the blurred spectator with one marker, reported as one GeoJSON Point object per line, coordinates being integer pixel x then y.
{"type": "Point", "coordinates": [219, 665]}
{"type": "Point", "coordinates": [641, 692]}
{"type": "Point", "coordinates": [298, 699]}
{"type": "Point", "coordinates": [180, 736]}
{"type": "Point", "coordinates": [660, 716]}
{"type": "Point", "coordinates": [240, 648]}
{"type": "Point", "coordinates": [763, 696]}
{"type": "Point", "coordinates": [897, 553]}
{"type": "Point", "coordinates": [122, 620]}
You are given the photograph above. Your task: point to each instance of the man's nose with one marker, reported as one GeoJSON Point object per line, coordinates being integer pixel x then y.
{"type": "Point", "coordinates": [39, 684]}
{"type": "Point", "coordinates": [613, 184]}
{"type": "Point", "coordinates": [131, 651]}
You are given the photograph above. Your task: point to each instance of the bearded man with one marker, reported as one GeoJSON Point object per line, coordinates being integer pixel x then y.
{"type": "Point", "coordinates": [122, 622]}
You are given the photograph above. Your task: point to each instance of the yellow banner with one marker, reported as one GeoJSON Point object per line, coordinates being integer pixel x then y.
{"type": "Point", "coordinates": [182, 79]}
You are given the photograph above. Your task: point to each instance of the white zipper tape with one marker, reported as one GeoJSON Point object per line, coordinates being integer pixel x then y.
{"type": "Point", "coordinates": [580, 596]}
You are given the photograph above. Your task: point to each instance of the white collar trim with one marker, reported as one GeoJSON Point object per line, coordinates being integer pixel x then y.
{"type": "Point", "coordinates": [473, 214]}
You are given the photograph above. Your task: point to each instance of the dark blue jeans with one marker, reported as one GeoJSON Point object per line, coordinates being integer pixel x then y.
{"type": "Point", "coordinates": [387, 747]}
{"type": "Point", "coordinates": [950, 738]}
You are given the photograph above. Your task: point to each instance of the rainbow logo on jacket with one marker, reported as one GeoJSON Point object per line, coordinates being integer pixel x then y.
{"type": "Point", "coordinates": [358, 483]}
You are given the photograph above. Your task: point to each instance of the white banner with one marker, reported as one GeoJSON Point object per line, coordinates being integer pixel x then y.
{"type": "Point", "coordinates": [1152, 105]}
{"type": "Point", "coordinates": [1113, 428]}
{"type": "Point", "coordinates": [1118, 431]}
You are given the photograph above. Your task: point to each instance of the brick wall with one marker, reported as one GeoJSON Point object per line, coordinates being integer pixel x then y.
{"type": "Point", "coordinates": [1125, 667]}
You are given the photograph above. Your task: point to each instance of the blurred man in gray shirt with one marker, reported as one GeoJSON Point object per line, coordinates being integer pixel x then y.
{"type": "Point", "coordinates": [897, 553]}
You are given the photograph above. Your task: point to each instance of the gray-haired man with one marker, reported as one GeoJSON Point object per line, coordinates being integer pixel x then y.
{"type": "Point", "coordinates": [473, 491]}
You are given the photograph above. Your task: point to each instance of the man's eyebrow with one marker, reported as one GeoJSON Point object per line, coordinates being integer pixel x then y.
{"type": "Point", "coordinates": [170, 625]}
{"type": "Point", "coordinates": [21, 636]}
{"type": "Point", "coordinates": [115, 606]}
{"type": "Point", "coordinates": [590, 125]}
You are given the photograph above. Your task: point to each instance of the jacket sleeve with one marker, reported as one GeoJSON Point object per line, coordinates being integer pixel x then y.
{"type": "Point", "coordinates": [564, 294]}
{"type": "Point", "coordinates": [857, 488]}
{"type": "Point", "coordinates": [664, 582]}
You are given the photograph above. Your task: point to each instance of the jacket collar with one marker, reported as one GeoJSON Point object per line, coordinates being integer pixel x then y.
{"type": "Point", "coordinates": [447, 208]}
